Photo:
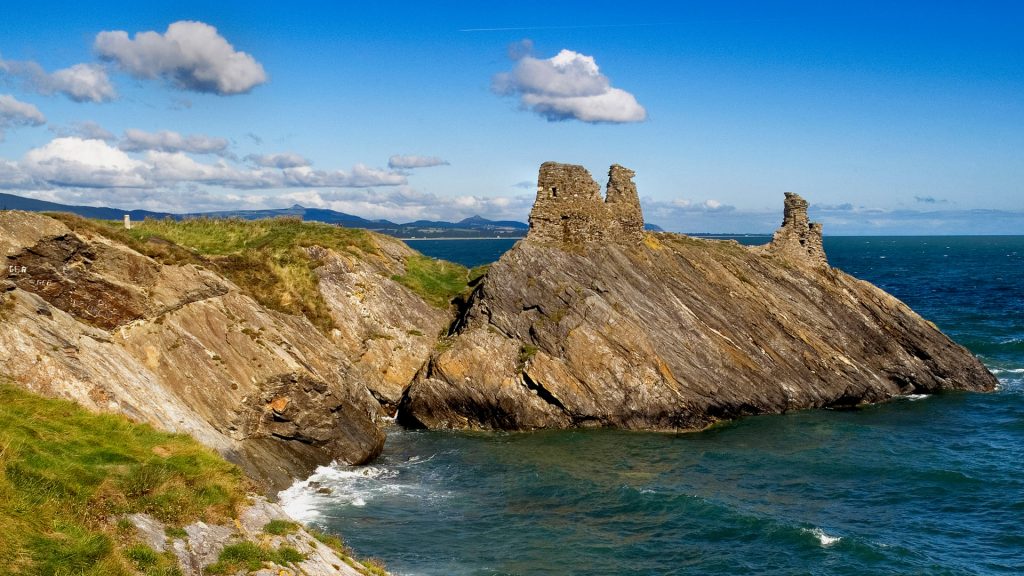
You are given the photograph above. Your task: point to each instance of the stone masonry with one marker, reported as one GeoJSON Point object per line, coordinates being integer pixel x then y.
{"type": "Point", "coordinates": [569, 209]}
{"type": "Point", "coordinates": [798, 238]}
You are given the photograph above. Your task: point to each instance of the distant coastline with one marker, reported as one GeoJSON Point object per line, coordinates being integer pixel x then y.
{"type": "Point", "coordinates": [463, 238]}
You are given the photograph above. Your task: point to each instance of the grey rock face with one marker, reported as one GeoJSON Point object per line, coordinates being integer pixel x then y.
{"type": "Point", "coordinates": [671, 332]}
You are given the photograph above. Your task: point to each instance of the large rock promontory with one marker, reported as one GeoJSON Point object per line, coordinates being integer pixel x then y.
{"type": "Point", "coordinates": [590, 321]}
{"type": "Point", "coordinates": [87, 318]}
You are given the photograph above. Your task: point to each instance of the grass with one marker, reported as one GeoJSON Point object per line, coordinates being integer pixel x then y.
{"type": "Point", "coordinates": [436, 281]}
{"type": "Point", "coordinates": [280, 527]}
{"type": "Point", "coordinates": [268, 261]}
{"type": "Point", "coordinates": [251, 557]}
{"type": "Point", "coordinates": [67, 475]}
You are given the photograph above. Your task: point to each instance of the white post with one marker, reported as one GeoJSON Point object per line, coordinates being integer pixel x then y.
{"type": "Point", "coordinates": [127, 222]}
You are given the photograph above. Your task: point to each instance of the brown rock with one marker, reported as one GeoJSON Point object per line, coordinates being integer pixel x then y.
{"type": "Point", "coordinates": [580, 325]}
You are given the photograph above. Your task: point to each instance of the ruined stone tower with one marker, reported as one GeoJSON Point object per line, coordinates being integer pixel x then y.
{"type": "Point", "coordinates": [569, 208]}
{"type": "Point", "coordinates": [798, 238]}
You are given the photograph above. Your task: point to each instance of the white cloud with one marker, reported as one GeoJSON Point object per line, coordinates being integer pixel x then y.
{"type": "Point", "coordinates": [87, 130]}
{"type": "Point", "coordinates": [283, 160]}
{"type": "Point", "coordinates": [404, 204]}
{"type": "Point", "coordinates": [361, 176]}
{"type": "Point", "coordinates": [190, 55]}
{"type": "Point", "coordinates": [81, 82]}
{"type": "Point", "coordinates": [74, 162]}
{"type": "Point", "coordinates": [167, 141]}
{"type": "Point", "coordinates": [14, 112]}
{"type": "Point", "coordinates": [567, 86]}
{"type": "Point", "coordinates": [412, 161]}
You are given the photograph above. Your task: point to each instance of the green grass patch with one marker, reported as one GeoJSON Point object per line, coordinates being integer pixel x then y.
{"type": "Point", "coordinates": [436, 281]}
{"type": "Point", "coordinates": [281, 527]}
{"type": "Point", "coordinates": [250, 557]}
{"type": "Point", "coordinates": [265, 258]}
{"type": "Point", "coordinates": [66, 475]}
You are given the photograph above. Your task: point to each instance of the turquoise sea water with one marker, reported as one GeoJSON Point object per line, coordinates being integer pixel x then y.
{"type": "Point", "coordinates": [927, 485]}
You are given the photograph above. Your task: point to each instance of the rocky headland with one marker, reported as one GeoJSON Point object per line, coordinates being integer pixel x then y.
{"type": "Point", "coordinates": [178, 345]}
{"type": "Point", "coordinates": [285, 352]}
{"type": "Point", "coordinates": [591, 321]}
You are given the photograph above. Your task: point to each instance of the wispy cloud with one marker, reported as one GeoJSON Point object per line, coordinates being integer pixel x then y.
{"type": "Point", "coordinates": [14, 113]}
{"type": "Point", "coordinates": [283, 160]}
{"type": "Point", "coordinates": [929, 200]}
{"type": "Point", "coordinates": [190, 55]}
{"type": "Point", "coordinates": [168, 141]}
{"type": "Point", "coordinates": [400, 162]}
{"type": "Point", "coordinates": [567, 86]}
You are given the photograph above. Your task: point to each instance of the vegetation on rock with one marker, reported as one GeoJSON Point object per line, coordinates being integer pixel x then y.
{"type": "Point", "coordinates": [269, 259]}
{"type": "Point", "coordinates": [66, 475]}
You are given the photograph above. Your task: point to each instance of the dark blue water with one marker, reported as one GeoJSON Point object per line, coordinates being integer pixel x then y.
{"type": "Point", "coordinates": [931, 485]}
{"type": "Point", "coordinates": [466, 252]}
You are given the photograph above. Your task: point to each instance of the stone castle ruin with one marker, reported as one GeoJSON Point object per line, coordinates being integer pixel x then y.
{"type": "Point", "coordinates": [569, 208]}
{"type": "Point", "coordinates": [570, 211]}
{"type": "Point", "coordinates": [798, 238]}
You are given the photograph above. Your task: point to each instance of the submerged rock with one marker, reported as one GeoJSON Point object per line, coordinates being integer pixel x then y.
{"type": "Point", "coordinates": [591, 321]}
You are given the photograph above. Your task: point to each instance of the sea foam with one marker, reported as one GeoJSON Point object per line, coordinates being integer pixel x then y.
{"type": "Point", "coordinates": [824, 539]}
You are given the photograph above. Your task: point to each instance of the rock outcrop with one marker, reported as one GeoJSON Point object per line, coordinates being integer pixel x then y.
{"type": "Point", "coordinates": [90, 320]}
{"type": "Point", "coordinates": [589, 321]}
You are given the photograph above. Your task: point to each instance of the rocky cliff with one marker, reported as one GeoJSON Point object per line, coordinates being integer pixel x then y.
{"type": "Point", "coordinates": [89, 319]}
{"type": "Point", "coordinates": [589, 321]}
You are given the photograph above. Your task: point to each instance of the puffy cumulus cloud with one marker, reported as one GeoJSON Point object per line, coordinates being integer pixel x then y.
{"type": "Point", "coordinates": [167, 141]}
{"type": "Point", "coordinates": [190, 55]}
{"type": "Point", "coordinates": [14, 112]}
{"type": "Point", "coordinates": [567, 86]}
{"type": "Point", "coordinates": [404, 204]}
{"type": "Point", "coordinates": [81, 82]}
{"type": "Point", "coordinates": [400, 161]}
{"type": "Point", "coordinates": [75, 162]}
{"type": "Point", "coordinates": [283, 160]}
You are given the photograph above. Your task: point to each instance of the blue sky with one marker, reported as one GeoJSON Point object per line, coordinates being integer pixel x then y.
{"type": "Point", "coordinates": [904, 118]}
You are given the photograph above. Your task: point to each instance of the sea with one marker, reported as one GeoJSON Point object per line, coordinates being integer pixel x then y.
{"type": "Point", "coordinates": [920, 485]}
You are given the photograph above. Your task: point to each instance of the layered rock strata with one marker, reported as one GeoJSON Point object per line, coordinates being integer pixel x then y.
{"type": "Point", "coordinates": [180, 347]}
{"type": "Point", "coordinates": [589, 321]}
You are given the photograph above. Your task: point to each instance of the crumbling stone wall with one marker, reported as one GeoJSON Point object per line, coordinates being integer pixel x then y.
{"type": "Point", "coordinates": [569, 208]}
{"type": "Point", "coordinates": [798, 238]}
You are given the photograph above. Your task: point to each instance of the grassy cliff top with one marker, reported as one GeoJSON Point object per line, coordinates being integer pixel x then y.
{"type": "Point", "coordinates": [268, 259]}
{"type": "Point", "coordinates": [66, 475]}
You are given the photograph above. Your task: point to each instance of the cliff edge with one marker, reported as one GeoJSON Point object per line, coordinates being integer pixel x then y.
{"type": "Point", "coordinates": [170, 340]}
{"type": "Point", "coordinates": [590, 321]}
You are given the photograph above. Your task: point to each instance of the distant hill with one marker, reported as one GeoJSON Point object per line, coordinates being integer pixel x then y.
{"type": "Point", "coordinates": [472, 227]}
{"type": "Point", "coordinates": [12, 202]}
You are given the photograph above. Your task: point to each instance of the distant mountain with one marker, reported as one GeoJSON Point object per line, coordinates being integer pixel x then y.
{"type": "Point", "coordinates": [653, 227]}
{"type": "Point", "coordinates": [472, 227]}
{"type": "Point", "coordinates": [12, 202]}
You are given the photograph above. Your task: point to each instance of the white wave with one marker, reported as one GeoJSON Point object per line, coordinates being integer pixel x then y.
{"type": "Point", "coordinates": [824, 539]}
{"type": "Point", "coordinates": [1006, 370]}
{"type": "Point", "coordinates": [337, 485]}
{"type": "Point", "coordinates": [916, 397]}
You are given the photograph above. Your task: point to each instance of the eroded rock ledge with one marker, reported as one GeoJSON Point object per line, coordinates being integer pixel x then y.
{"type": "Point", "coordinates": [590, 321]}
